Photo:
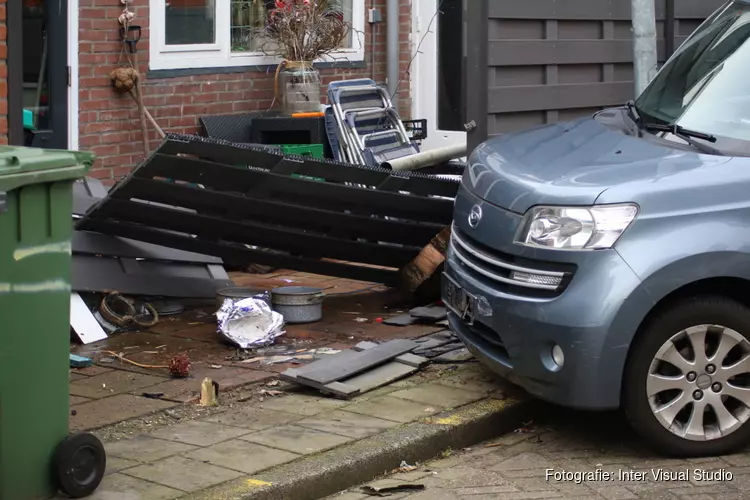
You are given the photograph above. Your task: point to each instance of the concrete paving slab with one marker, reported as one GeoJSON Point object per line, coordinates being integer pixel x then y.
{"type": "Point", "coordinates": [77, 400]}
{"type": "Point", "coordinates": [253, 418]}
{"type": "Point", "coordinates": [120, 487]}
{"type": "Point", "coordinates": [301, 404]}
{"type": "Point", "coordinates": [117, 464]}
{"type": "Point", "coordinates": [242, 456]}
{"type": "Point", "coordinates": [146, 449]}
{"type": "Point", "coordinates": [297, 439]}
{"type": "Point", "coordinates": [449, 397]}
{"type": "Point", "coordinates": [112, 383]}
{"type": "Point", "coordinates": [199, 433]}
{"type": "Point", "coordinates": [183, 473]}
{"type": "Point", "coordinates": [115, 409]}
{"type": "Point", "coordinates": [396, 409]}
{"type": "Point", "coordinates": [347, 424]}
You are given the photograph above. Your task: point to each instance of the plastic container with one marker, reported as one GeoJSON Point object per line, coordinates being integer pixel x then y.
{"type": "Point", "coordinates": [37, 456]}
{"type": "Point", "coordinates": [298, 304]}
{"type": "Point", "coordinates": [313, 150]}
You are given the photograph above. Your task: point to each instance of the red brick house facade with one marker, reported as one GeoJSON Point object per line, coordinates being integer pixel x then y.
{"type": "Point", "coordinates": [181, 86]}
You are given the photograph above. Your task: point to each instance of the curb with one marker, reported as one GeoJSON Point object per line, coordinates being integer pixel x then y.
{"type": "Point", "coordinates": [316, 476]}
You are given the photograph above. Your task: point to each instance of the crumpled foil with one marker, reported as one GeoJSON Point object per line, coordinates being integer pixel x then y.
{"type": "Point", "coordinates": [250, 322]}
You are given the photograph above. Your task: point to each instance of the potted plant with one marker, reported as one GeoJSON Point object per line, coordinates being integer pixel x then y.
{"type": "Point", "coordinates": [300, 32]}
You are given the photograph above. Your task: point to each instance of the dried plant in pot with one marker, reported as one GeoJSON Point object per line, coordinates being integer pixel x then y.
{"type": "Point", "coordinates": [301, 32]}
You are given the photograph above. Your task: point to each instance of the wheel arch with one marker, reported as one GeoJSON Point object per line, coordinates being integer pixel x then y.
{"type": "Point", "coordinates": [734, 288]}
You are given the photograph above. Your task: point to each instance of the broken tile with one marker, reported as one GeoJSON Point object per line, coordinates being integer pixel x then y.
{"type": "Point", "coordinates": [182, 473]}
{"type": "Point", "coordinates": [146, 449]}
{"type": "Point", "coordinates": [111, 383]}
{"type": "Point", "coordinates": [199, 433]}
{"type": "Point", "coordinates": [396, 409]}
{"type": "Point", "coordinates": [242, 456]}
{"type": "Point", "coordinates": [347, 424]}
{"type": "Point", "coordinates": [297, 439]}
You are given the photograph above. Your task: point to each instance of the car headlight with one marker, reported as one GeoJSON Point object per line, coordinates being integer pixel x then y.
{"type": "Point", "coordinates": [576, 228]}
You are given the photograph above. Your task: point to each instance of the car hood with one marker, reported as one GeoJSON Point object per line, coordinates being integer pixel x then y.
{"type": "Point", "coordinates": [571, 163]}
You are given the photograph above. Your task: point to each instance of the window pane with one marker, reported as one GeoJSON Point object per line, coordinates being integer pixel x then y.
{"type": "Point", "coordinates": [250, 15]}
{"type": "Point", "coordinates": [190, 22]}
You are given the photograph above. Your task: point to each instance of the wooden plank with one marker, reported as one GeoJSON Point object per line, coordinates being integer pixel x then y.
{"type": "Point", "coordinates": [324, 194]}
{"type": "Point", "coordinates": [331, 370]}
{"type": "Point", "coordinates": [331, 171]}
{"type": "Point", "coordinates": [596, 10]}
{"type": "Point", "coordinates": [245, 232]}
{"type": "Point", "coordinates": [272, 211]}
{"type": "Point", "coordinates": [565, 96]}
{"type": "Point", "coordinates": [543, 52]}
{"type": "Point", "coordinates": [235, 253]}
{"type": "Point", "coordinates": [85, 242]}
{"type": "Point", "coordinates": [372, 379]}
{"type": "Point", "coordinates": [97, 274]}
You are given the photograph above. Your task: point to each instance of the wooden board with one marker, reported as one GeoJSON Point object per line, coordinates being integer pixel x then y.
{"type": "Point", "coordinates": [400, 367]}
{"type": "Point", "coordinates": [339, 367]}
{"type": "Point", "coordinates": [83, 322]}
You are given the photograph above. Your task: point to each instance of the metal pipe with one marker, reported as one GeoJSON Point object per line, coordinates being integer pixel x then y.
{"type": "Point", "coordinates": [392, 49]}
{"type": "Point", "coordinates": [669, 27]}
{"type": "Point", "coordinates": [643, 13]}
{"type": "Point", "coordinates": [427, 158]}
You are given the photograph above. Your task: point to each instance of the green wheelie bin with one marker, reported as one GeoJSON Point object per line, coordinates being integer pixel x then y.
{"type": "Point", "coordinates": [37, 455]}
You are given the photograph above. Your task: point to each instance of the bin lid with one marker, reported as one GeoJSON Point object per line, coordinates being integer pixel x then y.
{"type": "Point", "coordinates": [20, 166]}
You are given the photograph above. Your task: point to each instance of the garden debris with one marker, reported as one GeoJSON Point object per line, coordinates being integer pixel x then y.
{"type": "Point", "coordinates": [209, 392]}
{"type": "Point", "coordinates": [527, 428]}
{"type": "Point", "coordinates": [363, 368]}
{"type": "Point", "coordinates": [250, 322]}
{"type": "Point", "coordinates": [273, 383]}
{"type": "Point", "coordinates": [404, 467]}
{"type": "Point", "coordinates": [264, 392]}
{"type": "Point", "coordinates": [216, 367]}
{"type": "Point", "coordinates": [153, 395]}
{"type": "Point", "coordinates": [387, 491]}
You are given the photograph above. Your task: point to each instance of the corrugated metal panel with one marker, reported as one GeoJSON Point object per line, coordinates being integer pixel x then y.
{"type": "Point", "coordinates": [544, 61]}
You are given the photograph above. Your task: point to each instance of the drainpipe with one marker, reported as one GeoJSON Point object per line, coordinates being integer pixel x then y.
{"type": "Point", "coordinates": [643, 13]}
{"type": "Point", "coordinates": [392, 49]}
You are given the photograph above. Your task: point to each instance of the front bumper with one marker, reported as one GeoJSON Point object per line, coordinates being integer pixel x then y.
{"type": "Point", "coordinates": [591, 321]}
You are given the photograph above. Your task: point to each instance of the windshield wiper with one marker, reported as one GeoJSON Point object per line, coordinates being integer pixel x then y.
{"type": "Point", "coordinates": [686, 135]}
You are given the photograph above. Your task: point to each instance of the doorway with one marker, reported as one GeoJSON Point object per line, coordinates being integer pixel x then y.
{"type": "Point", "coordinates": [437, 71]}
{"type": "Point", "coordinates": [40, 68]}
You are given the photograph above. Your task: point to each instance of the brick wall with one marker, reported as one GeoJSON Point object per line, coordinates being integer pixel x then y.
{"type": "Point", "coordinates": [109, 124]}
{"type": "Point", "coordinates": [3, 76]}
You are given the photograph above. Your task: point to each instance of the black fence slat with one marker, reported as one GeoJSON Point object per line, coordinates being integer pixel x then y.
{"type": "Point", "coordinates": [323, 194]}
{"type": "Point", "coordinates": [274, 212]}
{"type": "Point", "coordinates": [237, 253]}
{"type": "Point", "coordinates": [292, 240]}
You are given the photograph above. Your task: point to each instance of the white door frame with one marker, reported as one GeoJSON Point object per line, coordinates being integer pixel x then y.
{"type": "Point", "coordinates": [73, 64]}
{"type": "Point", "coordinates": [424, 75]}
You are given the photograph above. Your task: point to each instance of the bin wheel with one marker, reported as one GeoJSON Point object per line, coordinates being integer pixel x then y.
{"type": "Point", "coordinates": [79, 464]}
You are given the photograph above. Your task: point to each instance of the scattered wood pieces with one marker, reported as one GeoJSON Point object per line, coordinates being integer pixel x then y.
{"type": "Point", "coordinates": [390, 490]}
{"type": "Point", "coordinates": [365, 367]}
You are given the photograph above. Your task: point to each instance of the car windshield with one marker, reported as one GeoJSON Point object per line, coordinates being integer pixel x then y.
{"type": "Point", "coordinates": [703, 86]}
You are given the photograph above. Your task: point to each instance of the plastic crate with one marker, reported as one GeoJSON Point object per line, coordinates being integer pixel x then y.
{"type": "Point", "coordinates": [417, 129]}
{"type": "Point", "coordinates": [314, 150]}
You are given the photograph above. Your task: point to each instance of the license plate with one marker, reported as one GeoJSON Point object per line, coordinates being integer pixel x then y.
{"type": "Point", "coordinates": [458, 300]}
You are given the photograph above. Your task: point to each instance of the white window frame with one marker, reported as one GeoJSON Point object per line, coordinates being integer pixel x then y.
{"type": "Point", "coordinates": [220, 55]}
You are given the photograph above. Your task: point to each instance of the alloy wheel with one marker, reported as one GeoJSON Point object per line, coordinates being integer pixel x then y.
{"type": "Point", "coordinates": [698, 385]}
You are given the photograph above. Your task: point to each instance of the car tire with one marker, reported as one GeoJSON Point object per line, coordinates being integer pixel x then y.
{"type": "Point", "coordinates": [672, 331]}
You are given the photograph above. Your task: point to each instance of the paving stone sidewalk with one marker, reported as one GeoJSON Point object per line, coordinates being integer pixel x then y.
{"type": "Point", "coordinates": [514, 467]}
{"type": "Point", "coordinates": [195, 455]}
